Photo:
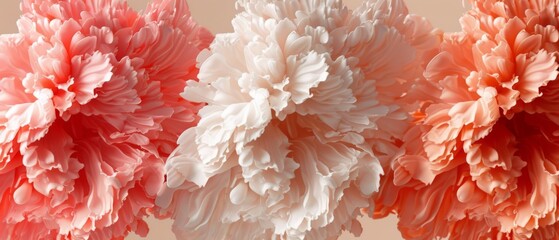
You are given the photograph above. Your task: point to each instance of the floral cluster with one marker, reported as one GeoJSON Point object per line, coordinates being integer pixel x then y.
{"type": "Point", "coordinates": [89, 112]}
{"type": "Point", "coordinates": [305, 117]}
{"type": "Point", "coordinates": [304, 99]}
{"type": "Point", "coordinates": [482, 162]}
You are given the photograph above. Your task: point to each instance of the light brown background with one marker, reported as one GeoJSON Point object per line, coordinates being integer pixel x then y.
{"type": "Point", "coordinates": [216, 15]}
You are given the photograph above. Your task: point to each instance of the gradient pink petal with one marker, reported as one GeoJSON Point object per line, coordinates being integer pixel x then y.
{"type": "Point", "coordinates": [85, 100]}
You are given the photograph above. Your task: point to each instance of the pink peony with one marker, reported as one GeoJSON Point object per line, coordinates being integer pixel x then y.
{"type": "Point", "coordinates": [483, 160]}
{"type": "Point", "coordinates": [86, 88]}
{"type": "Point", "coordinates": [303, 100]}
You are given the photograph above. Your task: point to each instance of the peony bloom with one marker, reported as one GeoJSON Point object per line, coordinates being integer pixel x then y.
{"type": "Point", "coordinates": [86, 88]}
{"type": "Point", "coordinates": [304, 100]}
{"type": "Point", "coordinates": [483, 160]}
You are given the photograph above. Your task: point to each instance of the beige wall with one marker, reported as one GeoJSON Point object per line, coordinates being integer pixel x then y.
{"type": "Point", "coordinates": [442, 13]}
{"type": "Point", "coordinates": [215, 14]}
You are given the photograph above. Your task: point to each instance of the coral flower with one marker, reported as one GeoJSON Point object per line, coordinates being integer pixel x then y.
{"type": "Point", "coordinates": [86, 88]}
{"type": "Point", "coordinates": [304, 100]}
{"type": "Point", "coordinates": [483, 160]}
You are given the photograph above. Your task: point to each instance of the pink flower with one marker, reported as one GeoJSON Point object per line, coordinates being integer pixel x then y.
{"type": "Point", "coordinates": [303, 100]}
{"type": "Point", "coordinates": [482, 162]}
{"type": "Point", "coordinates": [86, 88]}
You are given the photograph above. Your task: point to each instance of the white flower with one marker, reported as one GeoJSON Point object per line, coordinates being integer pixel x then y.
{"type": "Point", "coordinates": [296, 121]}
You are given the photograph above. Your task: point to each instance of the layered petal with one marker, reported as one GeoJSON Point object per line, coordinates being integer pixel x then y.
{"type": "Point", "coordinates": [482, 152]}
{"type": "Point", "coordinates": [304, 99]}
{"type": "Point", "coordinates": [84, 100]}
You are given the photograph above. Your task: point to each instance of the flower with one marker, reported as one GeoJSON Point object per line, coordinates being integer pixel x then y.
{"type": "Point", "coordinates": [481, 162]}
{"type": "Point", "coordinates": [86, 88]}
{"type": "Point", "coordinates": [303, 100]}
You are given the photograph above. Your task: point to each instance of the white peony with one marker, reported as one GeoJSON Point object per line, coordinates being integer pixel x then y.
{"type": "Point", "coordinates": [304, 101]}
